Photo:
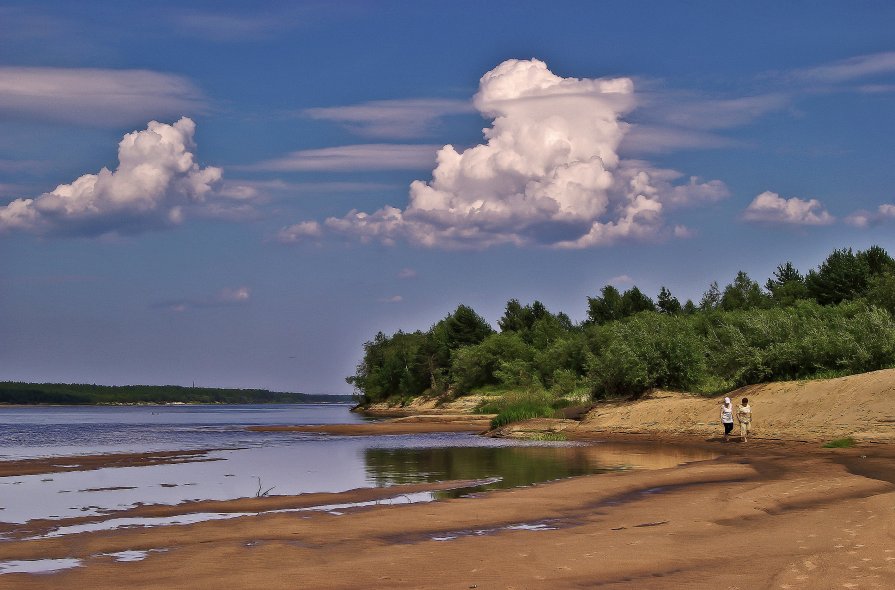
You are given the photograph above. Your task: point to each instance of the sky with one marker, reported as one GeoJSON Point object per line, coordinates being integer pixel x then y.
{"type": "Point", "coordinates": [240, 194]}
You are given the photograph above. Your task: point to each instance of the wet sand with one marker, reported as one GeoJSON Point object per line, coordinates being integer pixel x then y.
{"type": "Point", "coordinates": [87, 462]}
{"type": "Point", "coordinates": [764, 515]}
{"type": "Point", "coordinates": [407, 425]}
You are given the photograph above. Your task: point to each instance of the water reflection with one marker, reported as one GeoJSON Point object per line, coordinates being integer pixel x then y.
{"type": "Point", "coordinates": [517, 466]}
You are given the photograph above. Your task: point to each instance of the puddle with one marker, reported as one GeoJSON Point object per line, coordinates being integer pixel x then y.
{"type": "Point", "coordinates": [544, 525]}
{"type": "Point", "coordinates": [133, 555]}
{"type": "Point", "coordinates": [38, 566]}
{"type": "Point", "coordinates": [197, 517]}
{"type": "Point", "coordinates": [120, 523]}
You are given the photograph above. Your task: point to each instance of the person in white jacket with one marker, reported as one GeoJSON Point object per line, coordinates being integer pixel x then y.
{"type": "Point", "coordinates": [727, 417]}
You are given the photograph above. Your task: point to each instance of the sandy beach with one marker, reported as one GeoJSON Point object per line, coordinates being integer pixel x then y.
{"type": "Point", "coordinates": [771, 513]}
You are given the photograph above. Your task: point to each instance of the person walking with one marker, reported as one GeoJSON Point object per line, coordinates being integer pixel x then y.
{"type": "Point", "coordinates": [744, 416]}
{"type": "Point", "coordinates": [727, 417]}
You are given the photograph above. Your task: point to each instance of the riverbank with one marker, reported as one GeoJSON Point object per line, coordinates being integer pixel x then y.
{"type": "Point", "coordinates": [802, 516]}
{"type": "Point", "coordinates": [777, 512]}
{"type": "Point", "coordinates": [861, 407]}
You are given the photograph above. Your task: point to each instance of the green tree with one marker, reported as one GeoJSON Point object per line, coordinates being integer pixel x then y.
{"type": "Point", "coordinates": [787, 285]}
{"type": "Point", "coordinates": [711, 299]}
{"type": "Point", "coordinates": [878, 260]}
{"type": "Point", "coordinates": [742, 293]}
{"type": "Point", "coordinates": [843, 276]}
{"type": "Point", "coordinates": [667, 303]}
{"type": "Point", "coordinates": [634, 301]}
{"type": "Point", "coordinates": [605, 308]}
{"type": "Point", "coordinates": [881, 292]}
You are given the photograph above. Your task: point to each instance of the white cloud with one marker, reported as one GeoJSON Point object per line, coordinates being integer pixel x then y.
{"type": "Point", "coordinates": [156, 182]}
{"type": "Point", "coordinates": [95, 96]}
{"type": "Point", "coordinates": [392, 299]}
{"type": "Point", "coordinates": [299, 231]}
{"type": "Point", "coordinates": [548, 173]}
{"type": "Point", "coordinates": [392, 119]}
{"type": "Point", "coordinates": [852, 68]}
{"type": "Point", "coordinates": [406, 273]}
{"type": "Point", "coordinates": [226, 297]}
{"type": "Point", "coordinates": [234, 295]}
{"type": "Point", "coordinates": [375, 156]}
{"type": "Point", "coordinates": [769, 207]}
{"type": "Point", "coordinates": [667, 120]}
{"type": "Point", "coordinates": [621, 280]}
{"type": "Point", "coordinates": [863, 218]}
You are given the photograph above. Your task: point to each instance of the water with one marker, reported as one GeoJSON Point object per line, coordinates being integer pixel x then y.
{"type": "Point", "coordinates": [285, 463]}
{"type": "Point", "coordinates": [72, 430]}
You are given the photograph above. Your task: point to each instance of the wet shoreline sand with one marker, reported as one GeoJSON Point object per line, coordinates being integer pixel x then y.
{"type": "Point", "coordinates": [766, 514]}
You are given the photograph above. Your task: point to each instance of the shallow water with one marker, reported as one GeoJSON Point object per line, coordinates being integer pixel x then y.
{"type": "Point", "coordinates": [276, 463]}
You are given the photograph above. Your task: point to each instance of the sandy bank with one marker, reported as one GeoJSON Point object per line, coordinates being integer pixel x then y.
{"type": "Point", "coordinates": [87, 462]}
{"type": "Point", "coordinates": [860, 406]}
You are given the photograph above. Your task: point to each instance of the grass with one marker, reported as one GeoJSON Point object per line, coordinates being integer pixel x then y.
{"type": "Point", "coordinates": [840, 443]}
{"type": "Point", "coordinates": [517, 406]}
{"type": "Point", "coordinates": [545, 436]}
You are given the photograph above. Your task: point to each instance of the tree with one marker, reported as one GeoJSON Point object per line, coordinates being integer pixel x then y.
{"type": "Point", "coordinates": [465, 327]}
{"type": "Point", "coordinates": [711, 299]}
{"type": "Point", "coordinates": [689, 307]}
{"type": "Point", "coordinates": [878, 260]}
{"type": "Point", "coordinates": [787, 286]}
{"type": "Point", "coordinates": [742, 293]}
{"type": "Point", "coordinates": [513, 319]}
{"type": "Point", "coordinates": [841, 277]}
{"type": "Point", "coordinates": [668, 303]}
{"type": "Point", "coordinates": [606, 308]}
{"type": "Point", "coordinates": [634, 301]}
{"type": "Point", "coordinates": [882, 292]}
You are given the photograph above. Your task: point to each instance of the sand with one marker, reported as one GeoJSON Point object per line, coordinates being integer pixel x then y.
{"type": "Point", "coordinates": [771, 513]}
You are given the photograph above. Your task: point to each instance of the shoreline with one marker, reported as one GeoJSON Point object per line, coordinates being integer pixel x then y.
{"type": "Point", "coordinates": [812, 517]}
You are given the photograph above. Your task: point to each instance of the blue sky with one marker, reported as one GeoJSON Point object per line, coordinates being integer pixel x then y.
{"type": "Point", "coordinates": [275, 198]}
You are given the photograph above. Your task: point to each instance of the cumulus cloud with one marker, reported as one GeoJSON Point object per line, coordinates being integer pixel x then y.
{"type": "Point", "coordinates": [769, 207]}
{"type": "Point", "coordinates": [400, 119]}
{"type": "Point", "coordinates": [299, 231]}
{"type": "Point", "coordinates": [548, 173]}
{"type": "Point", "coordinates": [863, 218]}
{"type": "Point", "coordinates": [95, 96]}
{"type": "Point", "coordinates": [156, 183]}
{"type": "Point", "coordinates": [374, 156]}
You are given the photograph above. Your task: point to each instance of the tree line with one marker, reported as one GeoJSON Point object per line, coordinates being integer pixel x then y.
{"type": "Point", "coordinates": [12, 392]}
{"type": "Point", "coordinates": [836, 319]}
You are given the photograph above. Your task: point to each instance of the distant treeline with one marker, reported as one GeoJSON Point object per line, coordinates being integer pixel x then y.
{"type": "Point", "coordinates": [837, 319]}
{"type": "Point", "coordinates": [75, 394]}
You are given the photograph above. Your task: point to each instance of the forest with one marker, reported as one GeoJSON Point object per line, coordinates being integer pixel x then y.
{"type": "Point", "coordinates": [834, 320]}
{"type": "Point", "coordinates": [77, 394]}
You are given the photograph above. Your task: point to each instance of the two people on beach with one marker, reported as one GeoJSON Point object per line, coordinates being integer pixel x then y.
{"type": "Point", "coordinates": [743, 414]}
